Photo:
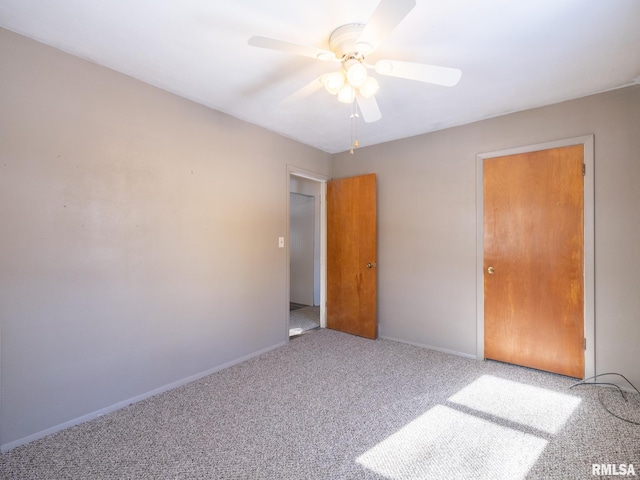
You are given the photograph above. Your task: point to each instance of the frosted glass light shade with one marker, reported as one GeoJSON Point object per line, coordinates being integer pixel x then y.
{"type": "Point", "coordinates": [333, 82]}
{"type": "Point", "coordinates": [347, 94]}
{"type": "Point", "coordinates": [356, 75]}
{"type": "Point", "coordinates": [369, 88]}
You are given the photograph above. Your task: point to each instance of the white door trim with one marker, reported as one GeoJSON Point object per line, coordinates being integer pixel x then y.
{"type": "Point", "coordinates": [589, 241]}
{"type": "Point", "coordinates": [322, 179]}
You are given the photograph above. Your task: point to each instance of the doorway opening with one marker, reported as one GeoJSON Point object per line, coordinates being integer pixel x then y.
{"type": "Point", "coordinates": [306, 252]}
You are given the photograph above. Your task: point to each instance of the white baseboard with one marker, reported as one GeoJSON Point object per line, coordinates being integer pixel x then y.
{"type": "Point", "coordinates": [125, 403]}
{"type": "Point", "coordinates": [430, 347]}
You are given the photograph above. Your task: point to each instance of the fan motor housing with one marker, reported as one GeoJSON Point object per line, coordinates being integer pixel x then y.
{"type": "Point", "coordinates": [343, 40]}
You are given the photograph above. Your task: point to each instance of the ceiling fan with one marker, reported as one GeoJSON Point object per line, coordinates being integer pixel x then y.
{"type": "Point", "coordinates": [350, 45]}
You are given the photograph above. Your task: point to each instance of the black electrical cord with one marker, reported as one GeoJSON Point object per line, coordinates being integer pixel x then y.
{"type": "Point", "coordinates": [586, 382]}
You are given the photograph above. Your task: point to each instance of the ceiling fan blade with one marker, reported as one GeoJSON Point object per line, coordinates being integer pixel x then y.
{"type": "Point", "coordinates": [294, 48]}
{"type": "Point", "coordinates": [369, 109]}
{"type": "Point", "coordinates": [387, 15]}
{"type": "Point", "coordinates": [309, 89]}
{"type": "Point", "coordinates": [421, 72]}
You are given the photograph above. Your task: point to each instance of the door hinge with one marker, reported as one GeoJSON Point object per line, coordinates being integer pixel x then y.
{"type": "Point", "coordinates": [584, 344]}
{"type": "Point", "coordinates": [584, 169]}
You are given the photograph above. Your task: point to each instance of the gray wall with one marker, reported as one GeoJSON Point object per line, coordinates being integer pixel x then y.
{"type": "Point", "coordinates": [427, 222]}
{"type": "Point", "coordinates": [129, 261]}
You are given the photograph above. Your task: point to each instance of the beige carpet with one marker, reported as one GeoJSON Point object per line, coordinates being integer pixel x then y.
{"type": "Point", "coordinates": [334, 406]}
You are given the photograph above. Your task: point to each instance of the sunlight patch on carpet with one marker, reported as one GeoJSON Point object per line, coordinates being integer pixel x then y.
{"type": "Point", "coordinates": [447, 443]}
{"type": "Point", "coordinates": [536, 407]}
{"type": "Point", "coordinates": [295, 331]}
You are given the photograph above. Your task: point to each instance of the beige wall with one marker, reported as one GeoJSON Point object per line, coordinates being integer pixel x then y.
{"type": "Point", "coordinates": [427, 223]}
{"type": "Point", "coordinates": [130, 260]}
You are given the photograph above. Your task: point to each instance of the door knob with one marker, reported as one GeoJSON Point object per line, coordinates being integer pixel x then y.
{"type": "Point", "coordinates": [371, 265]}
{"type": "Point", "coordinates": [491, 270]}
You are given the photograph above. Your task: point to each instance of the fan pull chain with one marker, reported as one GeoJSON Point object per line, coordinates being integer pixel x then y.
{"type": "Point", "coordinates": [354, 127]}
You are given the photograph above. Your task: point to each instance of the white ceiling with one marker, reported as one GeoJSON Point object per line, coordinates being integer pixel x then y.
{"type": "Point", "coordinates": [514, 55]}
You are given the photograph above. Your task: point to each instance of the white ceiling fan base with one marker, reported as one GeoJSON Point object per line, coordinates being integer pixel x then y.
{"type": "Point", "coordinates": [344, 39]}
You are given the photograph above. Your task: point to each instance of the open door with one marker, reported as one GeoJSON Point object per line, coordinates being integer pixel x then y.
{"type": "Point", "coordinates": [351, 256]}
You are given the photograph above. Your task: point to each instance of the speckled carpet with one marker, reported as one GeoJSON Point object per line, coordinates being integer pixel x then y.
{"type": "Point", "coordinates": [334, 406]}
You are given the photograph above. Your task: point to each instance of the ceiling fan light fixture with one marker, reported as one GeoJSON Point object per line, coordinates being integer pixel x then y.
{"type": "Point", "coordinates": [333, 82]}
{"type": "Point", "coordinates": [349, 45]}
{"type": "Point", "coordinates": [347, 94]}
{"type": "Point", "coordinates": [369, 88]}
{"type": "Point", "coordinates": [357, 75]}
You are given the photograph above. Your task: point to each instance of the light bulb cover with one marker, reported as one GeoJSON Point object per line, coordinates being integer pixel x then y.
{"type": "Point", "coordinates": [333, 82]}
{"type": "Point", "coordinates": [369, 88]}
{"type": "Point", "coordinates": [347, 94]}
{"type": "Point", "coordinates": [356, 75]}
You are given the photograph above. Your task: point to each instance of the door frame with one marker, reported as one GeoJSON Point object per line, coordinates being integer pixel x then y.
{"type": "Point", "coordinates": [293, 171]}
{"type": "Point", "coordinates": [589, 241]}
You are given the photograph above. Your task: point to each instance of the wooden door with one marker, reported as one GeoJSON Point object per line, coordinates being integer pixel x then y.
{"type": "Point", "coordinates": [351, 255]}
{"type": "Point", "coordinates": [534, 260]}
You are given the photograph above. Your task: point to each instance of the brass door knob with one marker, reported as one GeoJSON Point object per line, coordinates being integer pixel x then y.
{"type": "Point", "coordinates": [491, 270]}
